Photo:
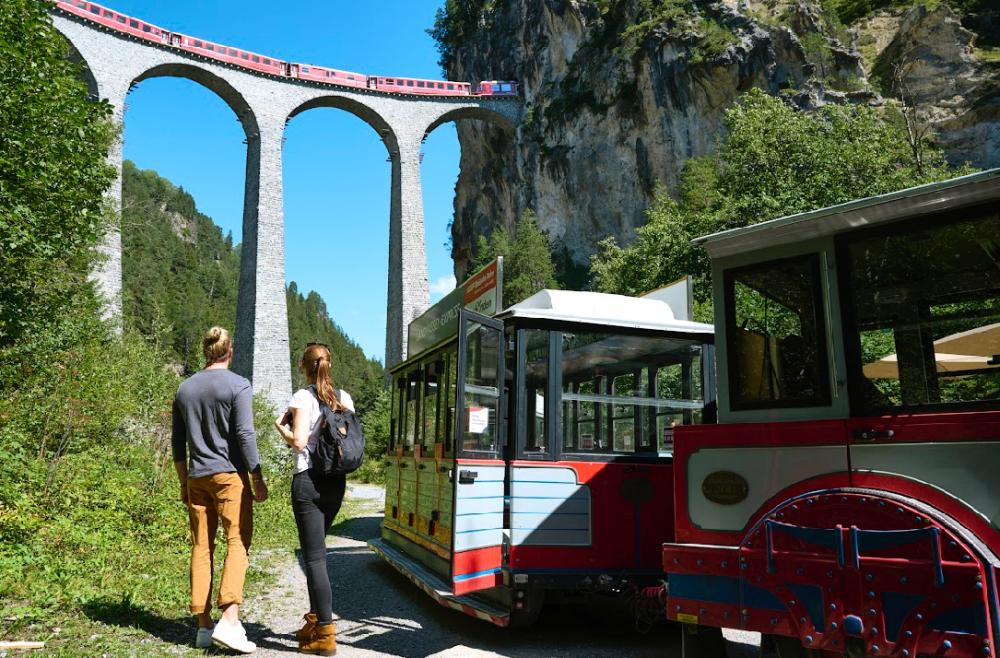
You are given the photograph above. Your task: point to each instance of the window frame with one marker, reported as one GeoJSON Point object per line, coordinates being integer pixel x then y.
{"type": "Point", "coordinates": [554, 402]}
{"type": "Point", "coordinates": [824, 352]}
{"type": "Point", "coordinates": [848, 317]}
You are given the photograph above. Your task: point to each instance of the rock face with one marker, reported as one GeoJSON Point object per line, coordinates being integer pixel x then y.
{"type": "Point", "coordinates": [616, 100]}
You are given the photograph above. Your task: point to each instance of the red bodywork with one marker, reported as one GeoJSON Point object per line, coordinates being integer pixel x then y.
{"type": "Point", "coordinates": [882, 561]}
{"type": "Point", "coordinates": [118, 22]}
{"type": "Point", "coordinates": [631, 517]}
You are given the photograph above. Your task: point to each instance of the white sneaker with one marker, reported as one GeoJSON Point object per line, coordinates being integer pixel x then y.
{"type": "Point", "coordinates": [232, 636]}
{"type": "Point", "coordinates": [204, 639]}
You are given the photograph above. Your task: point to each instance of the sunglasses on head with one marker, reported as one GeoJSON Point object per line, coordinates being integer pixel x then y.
{"type": "Point", "coordinates": [320, 344]}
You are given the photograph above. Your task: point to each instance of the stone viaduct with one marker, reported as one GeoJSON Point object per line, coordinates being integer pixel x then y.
{"type": "Point", "coordinates": [115, 63]}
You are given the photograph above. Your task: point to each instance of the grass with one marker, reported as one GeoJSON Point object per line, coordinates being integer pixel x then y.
{"type": "Point", "coordinates": [987, 54]}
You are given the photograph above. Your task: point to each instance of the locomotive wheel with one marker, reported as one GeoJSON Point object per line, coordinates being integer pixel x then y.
{"type": "Point", "coordinates": [702, 642]}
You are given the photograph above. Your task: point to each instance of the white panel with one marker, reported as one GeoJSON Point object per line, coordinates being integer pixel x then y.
{"type": "Point", "coordinates": [547, 490]}
{"type": "Point", "coordinates": [479, 490]}
{"type": "Point", "coordinates": [548, 505]}
{"type": "Point", "coordinates": [767, 471]}
{"type": "Point", "coordinates": [550, 537]}
{"type": "Point", "coordinates": [480, 521]}
{"type": "Point", "coordinates": [544, 474]}
{"type": "Point", "coordinates": [967, 471]}
{"type": "Point", "coordinates": [479, 539]}
{"type": "Point", "coordinates": [550, 521]}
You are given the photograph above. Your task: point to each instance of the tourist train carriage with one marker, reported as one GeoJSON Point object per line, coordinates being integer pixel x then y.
{"type": "Point", "coordinates": [848, 501]}
{"type": "Point", "coordinates": [113, 20]}
{"type": "Point", "coordinates": [531, 452]}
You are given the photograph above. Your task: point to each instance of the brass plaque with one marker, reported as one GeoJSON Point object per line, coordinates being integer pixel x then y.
{"type": "Point", "coordinates": [725, 487]}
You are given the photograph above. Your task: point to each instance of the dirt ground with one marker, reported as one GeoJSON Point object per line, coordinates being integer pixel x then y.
{"type": "Point", "coordinates": [380, 613]}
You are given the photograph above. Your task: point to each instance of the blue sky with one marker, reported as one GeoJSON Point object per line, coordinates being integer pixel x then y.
{"type": "Point", "coordinates": [336, 178]}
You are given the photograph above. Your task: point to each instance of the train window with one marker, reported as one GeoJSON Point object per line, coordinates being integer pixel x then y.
{"type": "Point", "coordinates": [411, 411]}
{"type": "Point", "coordinates": [120, 19]}
{"type": "Point", "coordinates": [409, 83]}
{"type": "Point", "coordinates": [482, 390]}
{"type": "Point", "coordinates": [256, 60]}
{"type": "Point", "coordinates": [134, 24]}
{"type": "Point", "coordinates": [448, 408]}
{"type": "Point", "coordinates": [433, 377]}
{"type": "Point", "coordinates": [244, 56]}
{"type": "Point", "coordinates": [536, 379]}
{"type": "Point", "coordinates": [925, 303]}
{"type": "Point", "coordinates": [389, 81]}
{"type": "Point", "coordinates": [196, 43]}
{"type": "Point", "coordinates": [95, 10]}
{"type": "Point", "coordinates": [145, 28]}
{"type": "Point", "coordinates": [612, 398]}
{"type": "Point", "coordinates": [776, 342]}
{"type": "Point", "coordinates": [232, 53]}
{"type": "Point", "coordinates": [108, 14]}
{"type": "Point", "coordinates": [305, 69]}
{"type": "Point", "coordinates": [266, 60]}
{"type": "Point", "coordinates": [451, 87]}
{"type": "Point", "coordinates": [420, 83]}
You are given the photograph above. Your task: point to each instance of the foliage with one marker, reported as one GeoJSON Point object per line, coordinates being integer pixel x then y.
{"type": "Point", "coordinates": [375, 423]}
{"type": "Point", "coordinates": [773, 161]}
{"type": "Point", "coordinates": [179, 272]}
{"type": "Point", "coordinates": [528, 265]}
{"type": "Point", "coordinates": [52, 176]}
{"type": "Point", "coordinates": [454, 24]}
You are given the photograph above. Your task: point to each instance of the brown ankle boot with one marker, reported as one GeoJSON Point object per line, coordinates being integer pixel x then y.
{"type": "Point", "coordinates": [305, 632]}
{"type": "Point", "coordinates": [322, 641]}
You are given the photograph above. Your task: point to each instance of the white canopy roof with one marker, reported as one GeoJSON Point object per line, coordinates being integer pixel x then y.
{"type": "Point", "coordinates": [604, 309]}
{"type": "Point", "coordinates": [975, 349]}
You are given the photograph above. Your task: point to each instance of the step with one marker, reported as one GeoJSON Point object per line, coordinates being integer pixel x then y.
{"type": "Point", "coordinates": [436, 587]}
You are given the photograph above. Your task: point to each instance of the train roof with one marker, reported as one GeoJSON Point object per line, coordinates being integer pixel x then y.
{"type": "Point", "coordinates": [912, 202]}
{"type": "Point", "coordinates": [604, 309]}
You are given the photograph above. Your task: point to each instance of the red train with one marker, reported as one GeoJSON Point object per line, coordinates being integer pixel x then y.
{"type": "Point", "coordinates": [848, 501]}
{"type": "Point", "coordinates": [139, 29]}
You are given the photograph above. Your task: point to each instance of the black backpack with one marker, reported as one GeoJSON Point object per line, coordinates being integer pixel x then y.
{"type": "Point", "coordinates": [340, 446]}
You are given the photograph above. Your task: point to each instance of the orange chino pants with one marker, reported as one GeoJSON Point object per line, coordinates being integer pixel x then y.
{"type": "Point", "coordinates": [226, 497]}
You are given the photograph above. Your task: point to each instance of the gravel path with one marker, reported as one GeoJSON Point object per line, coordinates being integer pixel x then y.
{"type": "Point", "coordinates": [380, 613]}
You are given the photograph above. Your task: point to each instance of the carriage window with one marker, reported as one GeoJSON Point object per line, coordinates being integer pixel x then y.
{"type": "Point", "coordinates": [95, 10]}
{"type": "Point", "coordinates": [432, 379]}
{"type": "Point", "coordinates": [536, 378]}
{"type": "Point", "coordinates": [451, 87]}
{"type": "Point", "coordinates": [267, 60]}
{"type": "Point", "coordinates": [776, 342]}
{"type": "Point", "coordinates": [621, 393]}
{"type": "Point", "coordinates": [411, 411]}
{"type": "Point", "coordinates": [926, 308]}
{"type": "Point", "coordinates": [482, 389]}
{"type": "Point", "coordinates": [108, 14]}
{"type": "Point", "coordinates": [134, 23]}
{"type": "Point", "coordinates": [256, 60]}
{"type": "Point", "coordinates": [409, 83]}
{"type": "Point", "coordinates": [448, 408]}
{"type": "Point", "coordinates": [120, 19]}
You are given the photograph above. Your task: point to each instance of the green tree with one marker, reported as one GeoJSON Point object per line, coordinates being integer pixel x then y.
{"type": "Point", "coordinates": [53, 173]}
{"type": "Point", "coordinates": [527, 259]}
{"type": "Point", "coordinates": [773, 160]}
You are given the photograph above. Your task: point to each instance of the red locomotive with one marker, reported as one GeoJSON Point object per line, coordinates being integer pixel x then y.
{"type": "Point", "coordinates": [139, 29]}
{"type": "Point", "coordinates": [848, 501]}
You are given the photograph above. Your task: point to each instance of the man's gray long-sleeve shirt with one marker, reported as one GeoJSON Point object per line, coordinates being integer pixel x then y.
{"type": "Point", "coordinates": [213, 421]}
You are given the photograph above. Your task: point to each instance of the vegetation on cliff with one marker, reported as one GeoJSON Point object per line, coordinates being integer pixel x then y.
{"type": "Point", "coordinates": [527, 259]}
{"type": "Point", "coordinates": [773, 160]}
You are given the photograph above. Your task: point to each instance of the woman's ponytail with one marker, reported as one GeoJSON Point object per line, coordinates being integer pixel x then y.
{"type": "Point", "coordinates": [316, 366]}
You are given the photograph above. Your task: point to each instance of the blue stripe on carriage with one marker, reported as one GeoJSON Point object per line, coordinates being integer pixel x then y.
{"type": "Point", "coordinates": [722, 589]}
{"type": "Point", "coordinates": [874, 540]}
{"type": "Point", "coordinates": [896, 607]}
{"type": "Point", "coordinates": [812, 598]}
{"type": "Point", "coordinates": [476, 574]}
{"type": "Point", "coordinates": [970, 620]}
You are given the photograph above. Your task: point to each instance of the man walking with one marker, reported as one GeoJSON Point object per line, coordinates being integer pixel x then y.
{"type": "Point", "coordinates": [215, 455]}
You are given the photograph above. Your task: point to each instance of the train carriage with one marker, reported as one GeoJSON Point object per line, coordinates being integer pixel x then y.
{"type": "Point", "coordinates": [531, 452]}
{"type": "Point", "coordinates": [848, 502]}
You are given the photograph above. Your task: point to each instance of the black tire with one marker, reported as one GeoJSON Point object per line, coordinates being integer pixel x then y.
{"type": "Point", "coordinates": [702, 642]}
{"type": "Point", "coordinates": [526, 617]}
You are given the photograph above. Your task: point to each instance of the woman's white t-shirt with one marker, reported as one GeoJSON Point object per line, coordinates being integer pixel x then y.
{"type": "Point", "coordinates": [305, 400]}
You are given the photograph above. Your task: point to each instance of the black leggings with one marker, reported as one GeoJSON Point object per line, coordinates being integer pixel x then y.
{"type": "Point", "coordinates": [316, 501]}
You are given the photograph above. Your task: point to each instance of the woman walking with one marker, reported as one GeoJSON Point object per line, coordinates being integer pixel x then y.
{"type": "Point", "coordinates": [215, 455]}
{"type": "Point", "coordinates": [316, 498]}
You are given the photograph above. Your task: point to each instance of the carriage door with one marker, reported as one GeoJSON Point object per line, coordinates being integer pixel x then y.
{"type": "Point", "coordinates": [478, 474]}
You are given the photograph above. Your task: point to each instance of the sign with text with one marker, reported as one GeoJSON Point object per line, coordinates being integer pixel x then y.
{"type": "Point", "coordinates": [481, 293]}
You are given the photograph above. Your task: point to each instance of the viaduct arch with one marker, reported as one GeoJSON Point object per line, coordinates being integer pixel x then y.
{"type": "Point", "coordinates": [116, 62]}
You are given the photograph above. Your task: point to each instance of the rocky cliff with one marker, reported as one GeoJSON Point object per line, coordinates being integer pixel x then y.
{"type": "Point", "coordinates": [619, 93]}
